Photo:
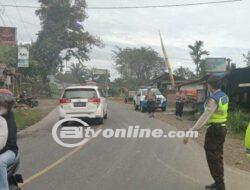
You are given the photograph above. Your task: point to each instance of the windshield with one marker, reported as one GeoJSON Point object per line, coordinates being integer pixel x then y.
{"type": "Point", "coordinates": [156, 91]}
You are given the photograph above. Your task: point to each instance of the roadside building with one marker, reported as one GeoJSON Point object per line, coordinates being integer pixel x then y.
{"type": "Point", "coordinates": [235, 83]}
{"type": "Point", "coordinates": [238, 87]}
{"type": "Point", "coordinates": [195, 91]}
{"type": "Point", "coordinates": [163, 82]}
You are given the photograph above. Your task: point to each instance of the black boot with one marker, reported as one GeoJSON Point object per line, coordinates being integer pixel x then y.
{"type": "Point", "coordinates": [220, 186]}
{"type": "Point", "coordinates": [211, 187]}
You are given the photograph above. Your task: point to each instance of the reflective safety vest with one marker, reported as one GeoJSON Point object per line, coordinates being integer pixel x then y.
{"type": "Point", "coordinates": [247, 141]}
{"type": "Point", "coordinates": [220, 115]}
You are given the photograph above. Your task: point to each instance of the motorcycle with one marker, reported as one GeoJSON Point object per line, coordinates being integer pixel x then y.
{"type": "Point", "coordinates": [29, 101]}
{"type": "Point", "coordinates": [13, 177]}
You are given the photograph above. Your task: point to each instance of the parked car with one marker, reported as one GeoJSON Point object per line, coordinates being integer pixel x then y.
{"type": "Point", "coordinates": [141, 104]}
{"type": "Point", "coordinates": [83, 102]}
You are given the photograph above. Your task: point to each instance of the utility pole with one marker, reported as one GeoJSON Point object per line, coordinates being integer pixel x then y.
{"type": "Point", "coordinates": [167, 63]}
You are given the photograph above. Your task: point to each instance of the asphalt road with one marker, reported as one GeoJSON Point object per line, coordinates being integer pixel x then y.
{"type": "Point", "coordinates": [117, 164]}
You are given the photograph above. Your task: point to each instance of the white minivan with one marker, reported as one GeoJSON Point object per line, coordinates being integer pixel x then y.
{"type": "Point", "coordinates": [83, 102]}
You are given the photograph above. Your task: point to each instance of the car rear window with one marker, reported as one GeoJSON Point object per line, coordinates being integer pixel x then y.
{"type": "Point", "coordinates": [80, 93]}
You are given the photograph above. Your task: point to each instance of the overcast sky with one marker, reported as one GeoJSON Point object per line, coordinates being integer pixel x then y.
{"type": "Point", "coordinates": [224, 28]}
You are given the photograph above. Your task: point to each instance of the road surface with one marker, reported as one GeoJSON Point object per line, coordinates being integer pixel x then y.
{"type": "Point", "coordinates": [117, 164]}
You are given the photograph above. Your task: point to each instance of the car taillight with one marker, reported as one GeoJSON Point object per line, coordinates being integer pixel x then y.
{"type": "Point", "coordinates": [95, 100]}
{"type": "Point", "coordinates": [64, 101]}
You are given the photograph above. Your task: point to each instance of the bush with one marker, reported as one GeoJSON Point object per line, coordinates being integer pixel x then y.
{"type": "Point", "coordinates": [238, 121]}
{"type": "Point", "coordinates": [55, 92]}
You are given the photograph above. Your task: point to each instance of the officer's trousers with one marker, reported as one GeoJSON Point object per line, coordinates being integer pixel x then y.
{"type": "Point", "coordinates": [214, 140]}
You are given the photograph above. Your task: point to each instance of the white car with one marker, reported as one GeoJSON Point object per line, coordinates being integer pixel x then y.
{"type": "Point", "coordinates": [141, 103]}
{"type": "Point", "coordinates": [83, 102]}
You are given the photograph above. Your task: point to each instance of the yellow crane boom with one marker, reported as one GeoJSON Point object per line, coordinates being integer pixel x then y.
{"type": "Point", "coordinates": [167, 62]}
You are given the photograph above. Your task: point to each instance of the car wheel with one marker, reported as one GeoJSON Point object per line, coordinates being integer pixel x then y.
{"type": "Point", "coordinates": [99, 121]}
{"type": "Point", "coordinates": [163, 109]}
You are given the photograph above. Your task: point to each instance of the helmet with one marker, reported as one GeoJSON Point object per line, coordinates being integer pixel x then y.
{"type": "Point", "coordinates": [6, 101]}
{"type": "Point", "coordinates": [215, 81]}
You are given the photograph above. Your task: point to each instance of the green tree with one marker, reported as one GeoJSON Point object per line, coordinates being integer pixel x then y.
{"type": "Point", "coordinates": [247, 58]}
{"type": "Point", "coordinates": [119, 84]}
{"type": "Point", "coordinates": [91, 74]}
{"type": "Point", "coordinates": [62, 36]}
{"type": "Point", "coordinates": [184, 72]}
{"type": "Point", "coordinates": [197, 52]}
{"type": "Point", "coordinates": [79, 72]}
{"type": "Point", "coordinates": [141, 64]}
{"type": "Point", "coordinates": [66, 77]}
{"type": "Point", "coordinates": [8, 55]}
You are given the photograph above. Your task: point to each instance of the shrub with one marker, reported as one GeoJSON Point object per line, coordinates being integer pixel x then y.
{"type": "Point", "coordinates": [238, 121]}
{"type": "Point", "coordinates": [55, 92]}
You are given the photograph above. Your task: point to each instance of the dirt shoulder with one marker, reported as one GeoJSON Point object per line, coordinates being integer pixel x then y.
{"type": "Point", "coordinates": [234, 152]}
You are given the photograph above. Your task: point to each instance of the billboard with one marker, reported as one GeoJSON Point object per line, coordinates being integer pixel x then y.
{"type": "Point", "coordinates": [101, 72]}
{"type": "Point", "coordinates": [23, 56]}
{"type": "Point", "coordinates": [214, 65]}
{"type": "Point", "coordinates": [7, 36]}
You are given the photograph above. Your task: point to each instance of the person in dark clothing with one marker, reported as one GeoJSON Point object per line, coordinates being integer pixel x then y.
{"type": "Point", "coordinates": [9, 152]}
{"type": "Point", "coordinates": [23, 95]}
{"type": "Point", "coordinates": [151, 99]}
{"type": "Point", "coordinates": [179, 104]}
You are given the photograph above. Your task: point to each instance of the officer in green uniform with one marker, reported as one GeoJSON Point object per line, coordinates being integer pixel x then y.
{"type": "Point", "coordinates": [214, 118]}
{"type": "Point", "coordinates": [247, 142]}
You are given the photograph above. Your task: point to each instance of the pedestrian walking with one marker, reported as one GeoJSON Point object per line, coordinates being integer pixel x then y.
{"type": "Point", "coordinates": [214, 118]}
{"type": "Point", "coordinates": [179, 104]}
{"type": "Point", "coordinates": [151, 100]}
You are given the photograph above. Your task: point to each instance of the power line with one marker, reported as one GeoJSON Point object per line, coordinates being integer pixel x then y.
{"type": "Point", "coordinates": [1, 18]}
{"type": "Point", "coordinates": [166, 6]}
{"type": "Point", "coordinates": [21, 18]}
{"type": "Point", "coordinates": [139, 7]}
{"type": "Point", "coordinates": [5, 13]}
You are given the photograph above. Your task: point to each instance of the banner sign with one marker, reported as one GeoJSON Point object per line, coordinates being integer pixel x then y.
{"type": "Point", "coordinates": [100, 71]}
{"type": "Point", "coordinates": [7, 36]}
{"type": "Point", "coordinates": [214, 65]}
{"type": "Point", "coordinates": [23, 56]}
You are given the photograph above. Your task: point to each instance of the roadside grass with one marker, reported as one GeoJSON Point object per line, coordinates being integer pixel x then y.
{"type": "Point", "coordinates": [27, 117]}
{"type": "Point", "coordinates": [117, 98]}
